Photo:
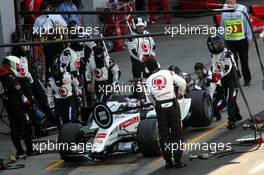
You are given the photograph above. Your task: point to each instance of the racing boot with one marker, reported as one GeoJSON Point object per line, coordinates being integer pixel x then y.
{"type": "Point", "coordinates": [30, 150]}
{"type": "Point", "coordinates": [179, 165]}
{"type": "Point", "coordinates": [168, 164]}
{"type": "Point", "coordinates": [217, 115]}
{"type": "Point", "coordinates": [177, 160]}
{"type": "Point", "coordinates": [238, 117]}
{"type": "Point", "coordinates": [231, 125]}
{"type": "Point", "coordinates": [33, 153]}
{"type": "Point", "coordinates": [21, 155]}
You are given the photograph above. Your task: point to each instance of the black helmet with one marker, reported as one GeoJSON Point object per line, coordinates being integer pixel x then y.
{"type": "Point", "coordinates": [98, 50]}
{"type": "Point", "coordinates": [152, 65]}
{"type": "Point", "coordinates": [99, 56]}
{"type": "Point", "coordinates": [56, 70]}
{"type": "Point", "coordinates": [175, 69]}
{"type": "Point", "coordinates": [216, 44]}
{"type": "Point", "coordinates": [57, 73]}
{"type": "Point", "coordinates": [76, 46]}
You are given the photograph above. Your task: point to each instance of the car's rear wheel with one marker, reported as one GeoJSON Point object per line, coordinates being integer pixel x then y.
{"type": "Point", "coordinates": [201, 109]}
{"type": "Point", "coordinates": [70, 133]}
{"type": "Point", "coordinates": [147, 138]}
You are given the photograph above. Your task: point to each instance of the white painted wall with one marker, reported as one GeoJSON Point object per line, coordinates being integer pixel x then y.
{"type": "Point", "coordinates": [8, 24]}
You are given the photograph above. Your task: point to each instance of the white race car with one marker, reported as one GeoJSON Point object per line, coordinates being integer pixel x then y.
{"type": "Point", "coordinates": [126, 125]}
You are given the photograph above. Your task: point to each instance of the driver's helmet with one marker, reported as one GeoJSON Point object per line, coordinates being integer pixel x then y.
{"type": "Point", "coordinates": [133, 103]}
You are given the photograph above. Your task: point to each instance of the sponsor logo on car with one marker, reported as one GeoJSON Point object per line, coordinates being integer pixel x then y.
{"type": "Point", "coordinates": [101, 135]}
{"type": "Point", "coordinates": [129, 122]}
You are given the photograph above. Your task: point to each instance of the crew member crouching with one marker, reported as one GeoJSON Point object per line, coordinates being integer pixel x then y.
{"type": "Point", "coordinates": [215, 89]}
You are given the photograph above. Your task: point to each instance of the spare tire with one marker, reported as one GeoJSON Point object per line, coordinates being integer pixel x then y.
{"type": "Point", "coordinates": [147, 138]}
{"type": "Point", "coordinates": [70, 133]}
{"type": "Point", "coordinates": [201, 109]}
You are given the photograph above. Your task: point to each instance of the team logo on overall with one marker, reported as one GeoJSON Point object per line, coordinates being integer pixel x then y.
{"type": "Point", "coordinates": [22, 70]}
{"type": "Point", "coordinates": [63, 92]}
{"type": "Point", "coordinates": [159, 82]}
{"type": "Point", "coordinates": [98, 73]}
{"type": "Point", "coordinates": [77, 64]}
{"type": "Point", "coordinates": [145, 47]}
{"type": "Point", "coordinates": [23, 67]}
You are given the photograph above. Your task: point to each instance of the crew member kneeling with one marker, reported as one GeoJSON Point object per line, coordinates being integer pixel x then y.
{"type": "Point", "coordinates": [160, 91]}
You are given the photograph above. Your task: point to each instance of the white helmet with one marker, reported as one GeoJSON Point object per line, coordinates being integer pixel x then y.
{"type": "Point", "coordinates": [139, 22]}
{"type": "Point", "coordinates": [14, 63]}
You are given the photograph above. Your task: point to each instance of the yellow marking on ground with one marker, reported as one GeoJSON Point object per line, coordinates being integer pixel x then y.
{"type": "Point", "coordinates": [54, 165]}
{"type": "Point", "coordinates": [196, 139]}
{"type": "Point", "coordinates": [154, 162]}
{"type": "Point", "coordinates": [52, 161]}
{"type": "Point", "coordinates": [111, 165]}
{"type": "Point", "coordinates": [157, 161]}
{"type": "Point", "coordinates": [207, 133]}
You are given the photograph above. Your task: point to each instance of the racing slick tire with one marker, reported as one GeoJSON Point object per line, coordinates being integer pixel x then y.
{"type": "Point", "coordinates": [69, 134]}
{"type": "Point", "coordinates": [147, 138]}
{"type": "Point", "coordinates": [201, 109]}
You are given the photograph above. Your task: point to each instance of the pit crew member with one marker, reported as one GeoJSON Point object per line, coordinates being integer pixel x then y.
{"type": "Point", "coordinates": [15, 103]}
{"type": "Point", "coordinates": [224, 68]}
{"type": "Point", "coordinates": [104, 72]}
{"type": "Point", "coordinates": [140, 48]}
{"type": "Point", "coordinates": [60, 94]}
{"type": "Point", "coordinates": [214, 89]}
{"type": "Point", "coordinates": [160, 91]}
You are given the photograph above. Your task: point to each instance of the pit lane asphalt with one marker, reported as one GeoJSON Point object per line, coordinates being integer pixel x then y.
{"type": "Point", "coordinates": [183, 51]}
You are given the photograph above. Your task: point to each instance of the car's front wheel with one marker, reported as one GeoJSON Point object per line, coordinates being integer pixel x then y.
{"type": "Point", "coordinates": [201, 109]}
{"type": "Point", "coordinates": [147, 138]}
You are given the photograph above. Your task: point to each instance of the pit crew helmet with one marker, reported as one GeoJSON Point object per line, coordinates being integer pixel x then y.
{"type": "Point", "coordinates": [216, 44]}
{"type": "Point", "coordinates": [13, 62]}
{"type": "Point", "coordinates": [139, 22]}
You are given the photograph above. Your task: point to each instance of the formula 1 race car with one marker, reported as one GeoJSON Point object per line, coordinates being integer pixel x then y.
{"type": "Point", "coordinates": [128, 125]}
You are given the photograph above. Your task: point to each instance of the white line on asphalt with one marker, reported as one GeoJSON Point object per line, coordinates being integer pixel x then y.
{"type": "Point", "coordinates": [257, 168]}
